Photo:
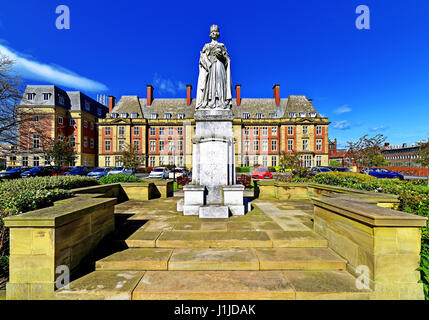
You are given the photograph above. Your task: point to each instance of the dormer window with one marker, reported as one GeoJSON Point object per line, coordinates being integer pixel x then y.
{"type": "Point", "coordinates": [259, 116]}
{"type": "Point", "coordinates": [114, 115]}
{"type": "Point", "coordinates": [292, 114]}
{"type": "Point", "coordinates": [302, 114]}
{"type": "Point", "coordinates": [181, 116]}
{"type": "Point", "coordinates": [313, 114]}
{"type": "Point", "coordinates": [246, 115]}
{"type": "Point", "coordinates": [61, 100]}
{"type": "Point", "coordinates": [99, 112]}
{"type": "Point", "coordinates": [31, 96]}
{"type": "Point", "coordinates": [153, 116]}
{"type": "Point", "coordinates": [46, 96]}
{"type": "Point", "coordinates": [272, 115]}
{"type": "Point", "coordinates": [167, 115]}
{"type": "Point", "coordinates": [134, 115]}
{"type": "Point", "coordinates": [124, 115]}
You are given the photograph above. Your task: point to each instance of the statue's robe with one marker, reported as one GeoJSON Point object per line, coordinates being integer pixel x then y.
{"type": "Point", "coordinates": [214, 82]}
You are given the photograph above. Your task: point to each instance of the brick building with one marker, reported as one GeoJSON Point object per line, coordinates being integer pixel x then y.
{"type": "Point", "coordinates": [161, 130]}
{"type": "Point", "coordinates": [402, 155]}
{"type": "Point", "coordinates": [49, 113]}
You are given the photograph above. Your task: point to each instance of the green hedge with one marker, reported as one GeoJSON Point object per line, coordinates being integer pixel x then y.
{"type": "Point", "coordinates": [23, 195]}
{"type": "Point", "coordinates": [119, 178]}
{"type": "Point", "coordinates": [413, 196]}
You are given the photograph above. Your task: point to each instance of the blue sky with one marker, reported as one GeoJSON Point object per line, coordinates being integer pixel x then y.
{"type": "Point", "coordinates": [366, 81]}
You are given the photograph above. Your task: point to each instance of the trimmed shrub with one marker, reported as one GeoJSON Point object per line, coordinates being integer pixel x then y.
{"type": "Point", "coordinates": [116, 178]}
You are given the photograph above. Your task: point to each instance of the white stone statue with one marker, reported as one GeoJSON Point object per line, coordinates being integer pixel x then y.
{"type": "Point", "coordinates": [214, 82]}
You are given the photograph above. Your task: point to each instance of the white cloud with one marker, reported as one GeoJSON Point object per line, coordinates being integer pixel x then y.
{"type": "Point", "coordinates": [342, 125]}
{"type": "Point", "coordinates": [343, 109]}
{"type": "Point", "coordinates": [28, 68]}
{"type": "Point", "coordinates": [167, 85]}
{"type": "Point", "coordinates": [380, 128]}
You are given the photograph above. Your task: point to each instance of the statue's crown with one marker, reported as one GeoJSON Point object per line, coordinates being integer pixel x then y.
{"type": "Point", "coordinates": [214, 28]}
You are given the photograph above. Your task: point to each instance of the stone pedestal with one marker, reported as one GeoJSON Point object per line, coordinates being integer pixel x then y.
{"type": "Point", "coordinates": [213, 190]}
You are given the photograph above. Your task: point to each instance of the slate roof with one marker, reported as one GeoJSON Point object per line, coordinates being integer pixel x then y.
{"type": "Point", "coordinates": [134, 104]}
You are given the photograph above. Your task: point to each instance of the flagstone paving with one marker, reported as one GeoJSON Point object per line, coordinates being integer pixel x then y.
{"type": "Point", "coordinates": [270, 253]}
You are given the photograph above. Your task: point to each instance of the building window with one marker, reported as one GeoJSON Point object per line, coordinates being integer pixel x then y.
{"type": "Point", "coordinates": [73, 141]}
{"type": "Point", "coordinates": [61, 100]}
{"type": "Point", "coordinates": [265, 145]}
{"type": "Point", "coordinates": [72, 122]}
{"type": "Point", "coordinates": [161, 161]}
{"type": "Point", "coordinates": [107, 145]}
{"type": "Point", "coordinates": [153, 116]}
{"type": "Point", "coordinates": [180, 131]}
{"type": "Point", "coordinates": [180, 161]}
{"type": "Point", "coordinates": [318, 145]}
{"type": "Point", "coordinates": [170, 146]}
{"type": "Point", "coordinates": [85, 142]}
{"type": "Point", "coordinates": [292, 115]}
{"type": "Point", "coordinates": [36, 119]}
{"type": "Point", "coordinates": [171, 160]}
{"type": "Point", "coordinates": [313, 114]}
{"type": "Point", "coordinates": [60, 120]}
{"type": "Point", "coordinates": [137, 145]}
{"type": "Point", "coordinates": [256, 131]}
{"type": "Point", "coordinates": [121, 131]}
{"type": "Point", "coordinates": [99, 112]}
{"type": "Point", "coordinates": [47, 161]}
{"type": "Point", "coordinates": [246, 115]}
{"type": "Point", "coordinates": [305, 145]}
{"type": "Point", "coordinates": [87, 106]}
{"type": "Point", "coordinates": [265, 161]}
{"type": "Point", "coordinates": [318, 130]}
{"type": "Point", "coordinates": [107, 131]}
{"type": "Point", "coordinates": [107, 161]}
{"type": "Point", "coordinates": [60, 138]}
{"type": "Point", "coordinates": [167, 116]}
{"type": "Point", "coordinates": [92, 125]}
{"type": "Point", "coordinates": [246, 161]}
{"type": "Point", "coordinates": [25, 161]}
{"type": "Point", "coordinates": [114, 115]}
{"type": "Point", "coordinates": [36, 161]}
{"type": "Point", "coordinates": [121, 145]}
{"type": "Point", "coordinates": [161, 145]}
{"type": "Point", "coordinates": [290, 145]}
{"type": "Point", "coordinates": [259, 116]}
{"type": "Point", "coordinates": [274, 131]}
{"type": "Point", "coordinates": [318, 161]}
{"type": "Point", "coordinates": [152, 146]}
{"type": "Point", "coordinates": [85, 124]}
{"type": "Point", "coordinates": [290, 131]}
{"type": "Point", "coordinates": [31, 96]}
{"type": "Point", "coordinates": [273, 145]}
{"type": "Point", "coordinates": [304, 130]}
{"type": "Point", "coordinates": [124, 115]}
{"type": "Point", "coordinates": [91, 143]}
{"type": "Point", "coordinates": [256, 145]}
{"type": "Point", "coordinates": [152, 131]}
{"type": "Point", "coordinates": [274, 161]}
{"type": "Point", "coordinates": [180, 145]}
{"type": "Point", "coordinates": [302, 114]}
{"type": "Point", "coordinates": [181, 116]}
{"type": "Point", "coordinates": [152, 162]}
{"type": "Point", "coordinates": [255, 161]}
{"type": "Point", "coordinates": [118, 161]}
{"type": "Point", "coordinates": [265, 131]}
{"type": "Point", "coordinates": [36, 141]}
{"type": "Point", "coordinates": [246, 146]}
{"type": "Point", "coordinates": [136, 131]}
{"type": "Point", "coordinates": [171, 131]}
{"type": "Point", "coordinates": [134, 115]}
{"type": "Point", "coordinates": [161, 131]}
{"type": "Point", "coordinates": [272, 115]}
{"type": "Point", "coordinates": [246, 131]}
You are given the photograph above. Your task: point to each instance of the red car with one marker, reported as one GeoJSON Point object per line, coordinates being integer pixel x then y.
{"type": "Point", "coordinates": [60, 171]}
{"type": "Point", "coordinates": [261, 173]}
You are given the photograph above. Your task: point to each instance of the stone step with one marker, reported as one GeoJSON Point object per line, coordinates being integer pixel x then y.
{"type": "Point", "coordinates": [216, 259]}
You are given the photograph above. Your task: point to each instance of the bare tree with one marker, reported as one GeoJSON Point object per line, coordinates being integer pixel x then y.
{"type": "Point", "coordinates": [366, 152]}
{"type": "Point", "coordinates": [11, 90]}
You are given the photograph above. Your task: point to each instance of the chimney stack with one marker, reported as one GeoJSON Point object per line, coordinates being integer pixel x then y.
{"type": "Point", "coordinates": [149, 95]}
{"type": "Point", "coordinates": [238, 94]}
{"type": "Point", "coordinates": [112, 101]}
{"type": "Point", "coordinates": [188, 95]}
{"type": "Point", "coordinates": [276, 90]}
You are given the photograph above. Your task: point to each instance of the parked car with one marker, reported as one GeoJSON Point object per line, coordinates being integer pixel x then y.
{"type": "Point", "coordinates": [59, 171]}
{"type": "Point", "coordinates": [99, 173]}
{"type": "Point", "coordinates": [177, 172]}
{"type": "Point", "coordinates": [119, 170]}
{"type": "Point", "coordinates": [382, 173]}
{"type": "Point", "coordinates": [37, 172]}
{"type": "Point", "coordinates": [340, 169]}
{"type": "Point", "coordinates": [12, 173]}
{"type": "Point", "coordinates": [77, 171]}
{"type": "Point", "coordinates": [261, 173]}
{"type": "Point", "coordinates": [316, 170]}
{"type": "Point", "coordinates": [160, 173]}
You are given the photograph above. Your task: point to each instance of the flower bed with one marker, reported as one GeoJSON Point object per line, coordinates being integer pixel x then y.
{"type": "Point", "coordinates": [23, 195]}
